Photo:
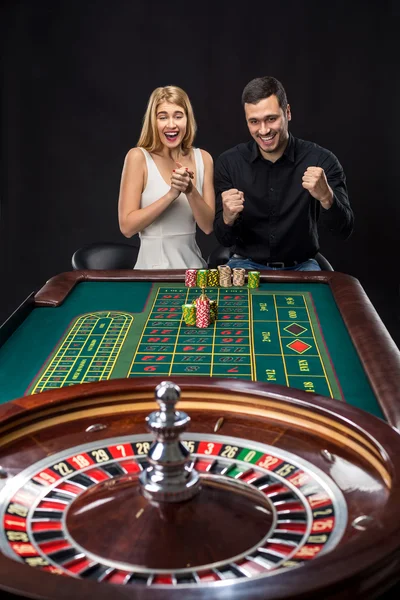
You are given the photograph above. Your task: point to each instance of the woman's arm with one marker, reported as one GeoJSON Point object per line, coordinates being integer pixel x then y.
{"type": "Point", "coordinates": [132, 218]}
{"type": "Point", "coordinates": [203, 206]}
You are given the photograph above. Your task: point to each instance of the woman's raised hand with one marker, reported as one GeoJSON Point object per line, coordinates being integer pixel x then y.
{"type": "Point", "coordinates": [181, 179]}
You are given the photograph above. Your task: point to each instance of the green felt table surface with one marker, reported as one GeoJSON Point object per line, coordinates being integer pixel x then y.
{"type": "Point", "coordinates": [311, 314]}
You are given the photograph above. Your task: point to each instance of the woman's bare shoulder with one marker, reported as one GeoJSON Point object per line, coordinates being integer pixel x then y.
{"type": "Point", "coordinates": [207, 158]}
{"type": "Point", "coordinates": [135, 156]}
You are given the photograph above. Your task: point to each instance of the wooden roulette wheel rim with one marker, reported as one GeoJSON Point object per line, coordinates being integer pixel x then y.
{"type": "Point", "coordinates": [318, 430]}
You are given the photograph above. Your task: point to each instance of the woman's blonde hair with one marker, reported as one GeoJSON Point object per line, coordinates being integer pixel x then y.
{"type": "Point", "coordinates": [149, 138]}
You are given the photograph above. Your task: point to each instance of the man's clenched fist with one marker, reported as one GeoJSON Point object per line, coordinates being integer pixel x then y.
{"type": "Point", "coordinates": [314, 180]}
{"type": "Point", "coordinates": [232, 202]}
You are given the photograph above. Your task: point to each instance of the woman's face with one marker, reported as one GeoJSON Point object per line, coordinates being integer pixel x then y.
{"type": "Point", "coordinates": [171, 124]}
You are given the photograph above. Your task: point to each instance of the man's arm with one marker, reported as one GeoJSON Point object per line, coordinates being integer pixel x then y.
{"type": "Point", "coordinates": [336, 214]}
{"type": "Point", "coordinates": [229, 205]}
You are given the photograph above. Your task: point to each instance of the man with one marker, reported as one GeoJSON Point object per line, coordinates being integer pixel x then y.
{"type": "Point", "coordinates": [272, 191]}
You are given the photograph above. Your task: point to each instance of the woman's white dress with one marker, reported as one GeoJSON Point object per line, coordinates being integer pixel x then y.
{"type": "Point", "coordinates": [170, 241]}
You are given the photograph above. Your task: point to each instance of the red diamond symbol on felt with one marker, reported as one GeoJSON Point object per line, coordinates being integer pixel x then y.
{"type": "Point", "coordinates": [299, 346]}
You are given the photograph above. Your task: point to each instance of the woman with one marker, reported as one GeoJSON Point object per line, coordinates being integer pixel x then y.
{"type": "Point", "coordinates": [167, 186]}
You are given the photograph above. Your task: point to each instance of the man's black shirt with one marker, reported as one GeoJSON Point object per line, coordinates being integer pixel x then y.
{"type": "Point", "coordinates": [279, 219]}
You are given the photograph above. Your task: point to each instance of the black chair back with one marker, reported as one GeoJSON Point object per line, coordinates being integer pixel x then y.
{"type": "Point", "coordinates": [219, 256]}
{"type": "Point", "coordinates": [105, 255]}
{"type": "Point", "coordinates": [323, 262]}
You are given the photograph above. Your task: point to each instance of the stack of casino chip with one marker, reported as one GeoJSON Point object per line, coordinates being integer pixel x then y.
{"type": "Point", "coordinates": [238, 277]}
{"type": "Point", "coordinates": [202, 311]}
{"type": "Point", "coordinates": [191, 278]}
{"type": "Point", "coordinates": [213, 278]}
{"type": "Point", "coordinates": [189, 313]}
{"type": "Point", "coordinates": [253, 279]}
{"type": "Point", "coordinates": [202, 276]}
{"type": "Point", "coordinates": [213, 311]}
{"type": "Point", "coordinates": [225, 279]}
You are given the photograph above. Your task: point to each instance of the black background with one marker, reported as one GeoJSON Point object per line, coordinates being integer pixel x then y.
{"type": "Point", "coordinates": [76, 80]}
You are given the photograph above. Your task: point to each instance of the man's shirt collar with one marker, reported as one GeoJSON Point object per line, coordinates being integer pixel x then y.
{"type": "Point", "coordinates": [288, 153]}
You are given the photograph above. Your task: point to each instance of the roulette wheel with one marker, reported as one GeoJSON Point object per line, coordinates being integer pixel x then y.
{"type": "Point", "coordinates": [221, 490]}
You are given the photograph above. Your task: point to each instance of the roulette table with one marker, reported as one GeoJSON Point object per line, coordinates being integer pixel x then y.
{"type": "Point", "coordinates": [316, 332]}
{"type": "Point", "coordinates": [285, 482]}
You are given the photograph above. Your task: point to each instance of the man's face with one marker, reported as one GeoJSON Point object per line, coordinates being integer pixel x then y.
{"type": "Point", "coordinates": [268, 125]}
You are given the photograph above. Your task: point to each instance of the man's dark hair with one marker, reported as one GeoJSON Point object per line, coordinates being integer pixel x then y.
{"type": "Point", "coordinates": [264, 87]}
